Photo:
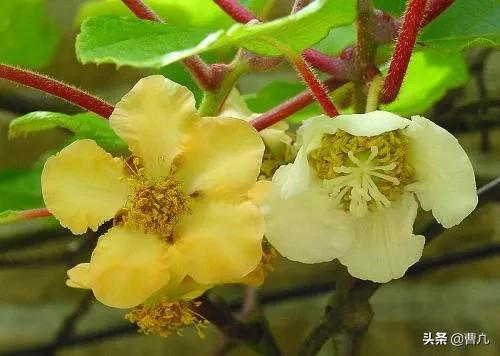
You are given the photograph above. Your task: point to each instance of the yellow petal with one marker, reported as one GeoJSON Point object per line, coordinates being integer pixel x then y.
{"type": "Point", "coordinates": [79, 276]}
{"type": "Point", "coordinates": [220, 241]}
{"type": "Point", "coordinates": [235, 106]}
{"type": "Point", "coordinates": [259, 191]}
{"type": "Point", "coordinates": [153, 118]}
{"type": "Point", "coordinates": [221, 155]}
{"type": "Point", "coordinates": [81, 186]}
{"type": "Point", "coordinates": [128, 266]}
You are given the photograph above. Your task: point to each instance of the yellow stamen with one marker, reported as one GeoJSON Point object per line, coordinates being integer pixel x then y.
{"type": "Point", "coordinates": [164, 317]}
{"type": "Point", "coordinates": [363, 172]}
{"type": "Point", "coordinates": [154, 206]}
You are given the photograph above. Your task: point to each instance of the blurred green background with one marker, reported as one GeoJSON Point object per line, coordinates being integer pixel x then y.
{"type": "Point", "coordinates": [35, 305]}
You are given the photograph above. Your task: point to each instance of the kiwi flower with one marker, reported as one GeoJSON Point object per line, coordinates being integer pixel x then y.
{"type": "Point", "coordinates": [182, 204]}
{"type": "Point", "coordinates": [351, 192]}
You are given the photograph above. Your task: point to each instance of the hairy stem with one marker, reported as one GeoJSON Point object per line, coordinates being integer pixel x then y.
{"type": "Point", "coordinates": [404, 48]}
{"type": "Point", "coordinates": [195, 65]}
{"type": "Point", "coordinates": [433, 9]}
{"type": "Point", "coordinates": [57, 88]}
{"type": "Point", "coordinates": [290, 106]}
{"type": "Point", "coordinates": [237, 11]}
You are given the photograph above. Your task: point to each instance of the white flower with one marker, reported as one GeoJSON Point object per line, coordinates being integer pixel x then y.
{"type": "Point", "coordinates": [350, 193]}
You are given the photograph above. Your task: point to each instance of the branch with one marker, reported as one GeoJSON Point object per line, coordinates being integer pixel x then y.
{"type": "Point", "coordinates": [202, 72]}
{"type": "Point", "coordinates": [57, 88]}
{"type": "Point", "coordinates": [404, 48]}
{"type": "Point", "coordinates": [290, 106]}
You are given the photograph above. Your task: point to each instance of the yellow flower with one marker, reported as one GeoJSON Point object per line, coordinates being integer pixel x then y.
{"type": "Point", "coordinates": [276, 139]}
{"type": "Point", "coordinates": [182, 206]}
{"type": "Point", "coordinates": [350, 193]}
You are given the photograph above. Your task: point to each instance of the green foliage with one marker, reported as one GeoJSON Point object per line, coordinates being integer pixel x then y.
{"type": "Point", "coordinates": [86, 125]}
{"type": "Point", "coordinates": [146, 44]}
{"type": "Point", "coordinates": [394, 7]}
{"type": "Point", "coordinates": [20, 189]}
{"type": "Point", "coordinates": [430, 75]}
{"type": "Point", "coordinates": [277, 92]}
{"type": "Point", "coordinates": [197, 13]}
{"type": "Point", "coordinates": [465, 24]}
{"type": "Point", "coordinates": [27, 36]}
{"type": "Point", "coordinates": [338, 39]}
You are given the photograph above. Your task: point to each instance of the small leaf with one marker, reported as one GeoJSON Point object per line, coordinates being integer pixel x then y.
{"type": "Point", "coordinates": [430, 75]}
{"type": "Point", "coordinates": [27, 35]}
{"type": "Point", "coordinates": [86, 125]}
{"type": "Point", "coordinates": [146, 44]}
{"type": "Point", "coordinates": [465, 24]}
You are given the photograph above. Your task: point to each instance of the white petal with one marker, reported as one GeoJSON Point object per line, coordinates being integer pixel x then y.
{"type": "Point", "coordinates": [297, 178]}
{"type": "Point", "coordinates": [384, 246]}
{"type": "Point", "coordinates": [153, 119]}
{"type": "Point", "coordinates": [370, 124]}
{"type": "Point", "coordinates": [305, 227]}
{"type": "Point", "coordinates": [444, 174]}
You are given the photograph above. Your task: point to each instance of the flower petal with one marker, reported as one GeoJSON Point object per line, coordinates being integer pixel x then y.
{"type": "Point", "coordinates": [153, 119]}
{"type": "Point", "coordinates": [79, 276]}
{"type": "Point", "coordinates": [370, 124]}
{"type": "Point", "coordinates": [384, 245]}
{"type": "Point", "coordinates": [221, 155]}
{"type": "Point", "coordinates": [259, 191]}
{"type": "Point", "coordinates": [220, 241]}
{"type": "Point", "coordinates": [305, 227]}
{"type": "Point", "coordinates": [128, 266]}
{"type": "Point", "coordinates": [444, 173]}
{"type": "Point", "coordinates": [82, 186]}
{"type": "Point", "coordinates": [235, 106]}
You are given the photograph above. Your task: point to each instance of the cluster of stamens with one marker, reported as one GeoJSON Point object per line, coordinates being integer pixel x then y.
{"type": "Point", "coordinates": [155, 206]}
{"type": "Point", "coordinates": [363, 172]}
{"type": "Point", "coordinates": [164, 317]}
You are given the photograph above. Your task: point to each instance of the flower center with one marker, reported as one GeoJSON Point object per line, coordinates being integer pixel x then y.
{"type": "Point", "coordinates": [155, 206]}
{"type": "Point", "coordinates": [363, 172]}
{"type": "Point", "coordinates": [164, 317]}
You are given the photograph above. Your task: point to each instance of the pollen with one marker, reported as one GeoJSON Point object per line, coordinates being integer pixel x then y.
{"type": "Point", "coordinates": [164, 317]}
{"type": "Point", "coordinates": [363, 172]}
{"type": "Point", "coordinates": [155, 206]}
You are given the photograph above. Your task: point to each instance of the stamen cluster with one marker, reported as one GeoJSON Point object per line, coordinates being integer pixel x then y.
{"type": "Point", "coordinates": [164, 317]}
{"type": "Point", "coordinates": [155, 206]}
{"type": "Point", "coordinates": [360, 170]}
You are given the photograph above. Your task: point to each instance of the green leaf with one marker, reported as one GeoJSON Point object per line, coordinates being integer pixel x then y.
{"type": "Point", "coordinates": [276, 93]}
{"type": "Point", "coordinates": [196, 13]}
{"type": "Point", "coordinates": [27, 36]}
{"type": "Point", "coordinates": [86, 125]}
{"type": "Point", "coordinates": [430, 75]}
{"type": "Point", "coordinates": [394, 7]}
{"type": "Point", "coordinates": [146, 44]}
{"type": "Point", "coordinates": [337, 40]}
{"type": "Point", "coordinates": [465, 24]}
{"type": "Point", "coordinates": [21, 189]}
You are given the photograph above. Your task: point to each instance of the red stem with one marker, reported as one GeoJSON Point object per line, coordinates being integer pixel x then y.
{"type": "Point", "coordinates": [316, 87]}
{"type": "Point", "coordinates": [434, 9]}
{"type": "Point", "coordinates": [290, 106]}
{"type": "Point", "coordinates": [404, 48]}
{"type": "Point", "coordinates": [56, 88]}
{"type": "Point", "coordinates": [194, 64]}
{"type": "Point", "coordinates": [237, 11]}
{"type": "Point", "coordinates": [35, 213]}
{"type": "Point", "coordinates": [300, 4]}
